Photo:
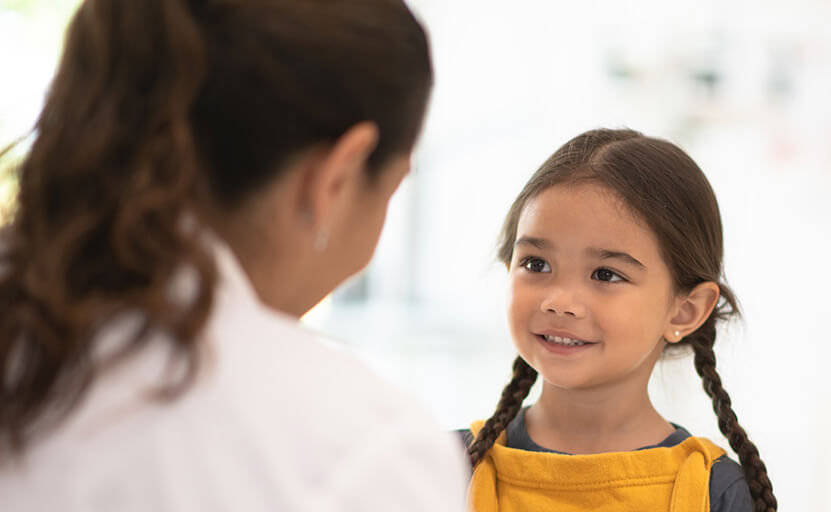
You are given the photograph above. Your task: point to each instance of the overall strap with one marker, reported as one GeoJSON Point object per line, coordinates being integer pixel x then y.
{"type": "Point", "coordinates": [691, 491]}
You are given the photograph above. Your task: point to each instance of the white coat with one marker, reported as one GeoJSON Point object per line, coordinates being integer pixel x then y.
{"type": "Point", "coordinates": [277, 420]}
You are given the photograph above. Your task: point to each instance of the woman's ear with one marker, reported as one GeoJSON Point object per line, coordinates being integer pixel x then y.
{"type": "Point", "coordinates": [339, 168]}
{"type": "Point", "coordinates": [691, 311]}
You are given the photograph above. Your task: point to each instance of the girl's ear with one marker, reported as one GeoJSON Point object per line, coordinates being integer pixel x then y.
{"type": "Point", "coordinates": [339, 169]}
{"type": "Point", "coordinates": [692, 310]}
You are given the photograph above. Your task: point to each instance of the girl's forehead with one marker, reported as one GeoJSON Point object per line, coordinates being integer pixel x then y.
{"type": "Point", "coordinates": [593, 213]}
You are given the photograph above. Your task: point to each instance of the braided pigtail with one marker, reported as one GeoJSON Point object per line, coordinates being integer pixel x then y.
{"type": "Point", "coordinates": [755, 472]}
{"type": "Point", "coordinates": [509, 405]}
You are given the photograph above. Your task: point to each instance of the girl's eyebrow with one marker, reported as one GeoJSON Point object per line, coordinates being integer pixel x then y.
{"type": "Point", "coordinates": [606, 254]}
{"type": "Point", "coordinates": [539, 243]}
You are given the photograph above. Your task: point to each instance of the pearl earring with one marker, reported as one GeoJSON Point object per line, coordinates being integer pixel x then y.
{"type": "Point", "coordinates": [677, 334]}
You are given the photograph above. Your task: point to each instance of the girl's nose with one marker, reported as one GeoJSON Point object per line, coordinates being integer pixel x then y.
{"type": "Point", "coordinates": [562, 302]}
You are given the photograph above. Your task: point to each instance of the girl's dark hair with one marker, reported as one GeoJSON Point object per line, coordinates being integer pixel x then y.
{"type": "Point", "coordinates": [665, 187]}
{"type": "Point", "coordinates": [160, 107]}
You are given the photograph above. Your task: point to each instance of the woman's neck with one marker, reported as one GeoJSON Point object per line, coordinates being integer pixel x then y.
{"type": "Point", "coordinates": [595, 420]}
{"type": "Point", "coordinates": [273, 249]}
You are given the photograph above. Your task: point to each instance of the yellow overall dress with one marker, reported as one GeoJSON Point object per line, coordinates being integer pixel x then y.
{"type": "Point", "coordinates": [672, 479]}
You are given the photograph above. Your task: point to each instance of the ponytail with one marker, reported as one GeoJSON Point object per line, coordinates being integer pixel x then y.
{"type": "Point", "coordinates": [103, 192]}
{"type": "Point", "coordinates": [506, 410]}
{"type": "Point", "coordinates": [702, 341]}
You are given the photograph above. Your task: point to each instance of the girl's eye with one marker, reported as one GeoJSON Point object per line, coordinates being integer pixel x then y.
{"type": "Point", "coordinates": [606, 275]}
{"type": "Point", "coordinates": [535, 265]}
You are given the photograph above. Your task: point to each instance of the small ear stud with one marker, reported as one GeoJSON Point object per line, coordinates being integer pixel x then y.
{"type": "Point", "coordinates": [677, 334]}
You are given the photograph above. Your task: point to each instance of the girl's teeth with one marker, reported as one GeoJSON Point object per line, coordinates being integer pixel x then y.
{"type": "Point", "coordinates": [564, 341]}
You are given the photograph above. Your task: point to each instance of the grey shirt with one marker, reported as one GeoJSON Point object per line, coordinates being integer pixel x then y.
{"type": "Point", "coordinates": [728, 490]}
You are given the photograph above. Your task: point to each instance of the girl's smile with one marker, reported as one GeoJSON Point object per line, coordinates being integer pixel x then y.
{"type": "Point", "coordinates": [564, 346]}
{"type": "Point", "coordinates": [563, 342]}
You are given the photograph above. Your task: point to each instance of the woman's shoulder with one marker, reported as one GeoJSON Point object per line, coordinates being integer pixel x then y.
{"type": "Point", "coordinates": [286, 408]}
{"type": "Point", "coordinates": [282, 364]}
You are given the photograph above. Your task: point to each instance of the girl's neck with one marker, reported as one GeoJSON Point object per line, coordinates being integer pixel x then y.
{"type": "Point", "coordinates": [595, 421]}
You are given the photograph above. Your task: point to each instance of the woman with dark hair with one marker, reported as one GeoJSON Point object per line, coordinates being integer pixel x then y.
{"type": "Point", "coordinates": [203, 172]}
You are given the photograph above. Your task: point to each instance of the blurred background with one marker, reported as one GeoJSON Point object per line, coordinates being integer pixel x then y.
{"type": "Point", "coordinates": [744, 87]}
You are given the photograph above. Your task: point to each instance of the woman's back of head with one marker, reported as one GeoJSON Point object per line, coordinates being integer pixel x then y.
{"type": "Point", "coordinates": [160, 108]}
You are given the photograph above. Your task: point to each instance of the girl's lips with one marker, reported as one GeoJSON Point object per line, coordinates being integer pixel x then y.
{"type": "Point", "coordinates": [561, 348]}
{"type": "Point", "coordinates": [558, 335]}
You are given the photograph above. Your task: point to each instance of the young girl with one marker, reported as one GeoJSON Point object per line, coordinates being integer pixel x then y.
{"type": "Point", "coordinates": [614, 249]}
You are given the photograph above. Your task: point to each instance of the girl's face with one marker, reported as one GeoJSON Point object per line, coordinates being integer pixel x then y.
{"type": "Point", "coordinates": [590, 297]}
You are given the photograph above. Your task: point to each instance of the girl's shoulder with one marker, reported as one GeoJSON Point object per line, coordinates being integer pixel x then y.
{"type": "Point", "coordinates": [728, 487]}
